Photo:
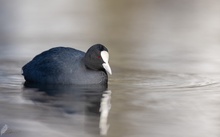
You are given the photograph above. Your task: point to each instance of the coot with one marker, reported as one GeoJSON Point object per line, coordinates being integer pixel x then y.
{"type": "Point", "coordinates": [64, 65]}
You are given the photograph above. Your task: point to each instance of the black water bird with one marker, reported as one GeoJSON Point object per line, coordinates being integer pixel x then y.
{"type": "Point", "coordinates": [64, 65]}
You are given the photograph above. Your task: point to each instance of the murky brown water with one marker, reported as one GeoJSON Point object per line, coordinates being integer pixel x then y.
{"type": "Point", "coordinates": [165, 57]}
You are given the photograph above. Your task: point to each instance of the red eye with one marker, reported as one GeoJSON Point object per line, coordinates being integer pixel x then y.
{"type": "Point", "coordinates": [99, 57]}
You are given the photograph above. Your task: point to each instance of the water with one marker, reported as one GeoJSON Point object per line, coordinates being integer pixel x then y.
{"type": "Point", "coordinates": [165, 58]}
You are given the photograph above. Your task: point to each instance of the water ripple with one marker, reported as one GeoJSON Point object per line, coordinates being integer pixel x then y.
{"type": "Point", "coordinates": [169, 80]}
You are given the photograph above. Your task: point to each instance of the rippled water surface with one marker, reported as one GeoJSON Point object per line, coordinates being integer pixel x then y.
{"type": "Point", "coordinates": [164, 54]}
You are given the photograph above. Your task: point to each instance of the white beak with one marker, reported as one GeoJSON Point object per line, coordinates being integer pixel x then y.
{"type": "Point", "coordinates": [105, 58]}
{"type": "Point", "coordinates": [107, 68]}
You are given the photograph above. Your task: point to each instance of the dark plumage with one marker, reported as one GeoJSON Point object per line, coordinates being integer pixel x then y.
{"type": "Point", "coordinates": [63, 65]}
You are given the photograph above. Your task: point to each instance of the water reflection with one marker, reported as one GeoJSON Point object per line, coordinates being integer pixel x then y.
{"type": "Point", "coordinates": [104, 109]}
{"type": "Point", "coordinates": [92, 102]}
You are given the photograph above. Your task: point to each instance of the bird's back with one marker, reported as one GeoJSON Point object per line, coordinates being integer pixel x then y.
{"type": "Point", "coordinates": [53, 66]}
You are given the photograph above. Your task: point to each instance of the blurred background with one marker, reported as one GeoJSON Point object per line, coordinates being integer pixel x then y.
{"type": "Point", "coordinates": [165, 57]}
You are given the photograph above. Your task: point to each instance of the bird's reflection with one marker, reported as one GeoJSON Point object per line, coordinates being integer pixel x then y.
{"type": "Point", "coordinates": [104, 110]}
{"type": "Point", "coordinates": [89, 100]}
